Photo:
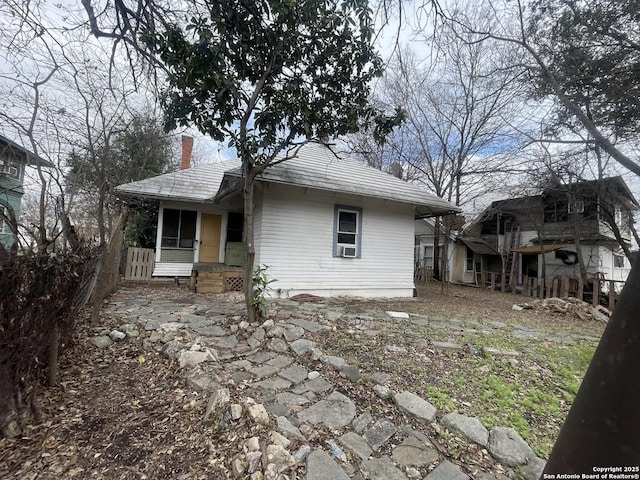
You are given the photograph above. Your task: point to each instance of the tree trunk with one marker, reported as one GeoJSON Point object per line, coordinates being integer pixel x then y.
{"type": "Point", "coordinates": [503, 273]}
{"type": "Point", "coordinates": [100, 214]}
{"type": "Point", "coordinates": [436, 248]}
{"type": "Point", "coordinates": [250, 251]}
{"type": "Point", "coordinates": [634, 231]}
{"type": "Point", "coordinates": [581, 266]}
{"type": "Point", "coordinates": [601, 428]}
{"type": "Point", "coordinates": [445, 253]}
{"type": "Point", "coordinates": [54, 346]}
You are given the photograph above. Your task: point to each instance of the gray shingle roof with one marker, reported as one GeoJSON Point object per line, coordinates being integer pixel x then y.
{"type": "Point", "coordinates": [196, 184]}
{"type": "Point", "coordinates": [315, 167]}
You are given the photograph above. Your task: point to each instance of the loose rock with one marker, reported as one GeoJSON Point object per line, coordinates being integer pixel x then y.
{"type": "Point", "coordinates": [414, 405]}
{"type": "Point", "coordinates": [101, 342]}
{"type": "Point", "coordinates": [447, 471]}
{"type": "Point", "coordinates": [117, 335]}
{"type": "Point", "coordinates": [508, 447]}
{"type": "Point", "coordinates": [469, 427]}
{"type": "Point", "coordinates": [320, 466]}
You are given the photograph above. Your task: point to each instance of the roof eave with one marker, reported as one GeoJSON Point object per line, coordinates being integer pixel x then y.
{"type": "Point", "coordinates": [426, 210]}
{"type": "Point", "coordinates": [158, 196]}
{"type": "Point", "coordinates": [30, 158]}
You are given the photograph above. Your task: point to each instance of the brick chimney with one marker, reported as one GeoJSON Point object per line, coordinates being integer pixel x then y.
{"type": "Point", "coordinates": [187, 146]}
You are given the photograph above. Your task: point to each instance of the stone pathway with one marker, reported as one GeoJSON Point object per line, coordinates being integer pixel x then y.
{"type": "Point", "coordinates": [257, 371]}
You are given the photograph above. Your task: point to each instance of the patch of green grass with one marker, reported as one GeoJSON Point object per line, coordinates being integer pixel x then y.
{"type": "Point", "coordinates": [569, 364]}
{"type": "Point", "coordinates": [460, 380]}
{"type": "Point", "coordinates": [498, 393]}
{"type": "Point", "coordinates": [541, 402]}
{"type": "Point", "coordinates": [441, 398]}
{"type": "Point", "coordinates": [353, 362]}
{"type": "Point", "coordinates": [521, 425]}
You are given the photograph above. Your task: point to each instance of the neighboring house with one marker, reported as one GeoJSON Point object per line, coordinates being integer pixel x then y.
{"type": "Point", "coordinates": [547, 235]}
{"type": "Point", "coordinates": [324, 224]}
{"type": "Point", "coordinates": [425, 245]}
{"type": "Point", "coordinates": [13, 159]}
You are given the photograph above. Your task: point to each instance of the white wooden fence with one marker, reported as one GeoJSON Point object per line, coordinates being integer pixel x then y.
{"type": "Point", "coordinates": [140, 263]}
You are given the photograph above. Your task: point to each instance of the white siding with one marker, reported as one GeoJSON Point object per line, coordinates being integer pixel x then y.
{"type": "Point", "coordinates": [528, 237]}
{"type": "Point", "coordinates": [607, 267]}
{"type": "Point", "coordinates": [598, 259]}
{"type": "Point", "coordinates": [294, 237]}
{"type": "Point", "coordinates": [555, 266]}
{"type": "Point", "coordinates": [172, 269]}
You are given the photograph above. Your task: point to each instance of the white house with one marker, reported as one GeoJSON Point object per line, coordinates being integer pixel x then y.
{"type": "Point", "coordinates": [325, 224]}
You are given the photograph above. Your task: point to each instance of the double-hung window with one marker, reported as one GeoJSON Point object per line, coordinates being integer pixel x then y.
{"type": "Point", "coordinates": [469, 264]}
{"type": "Point", "coordinates": [427, 260]}
{"type": "Point", "coordinates": [347, 232]}
{"type": "Point", "coordinates": [178, 228]}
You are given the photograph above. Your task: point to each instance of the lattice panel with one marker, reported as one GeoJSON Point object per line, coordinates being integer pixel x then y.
{"type": "Point", "coordinates": [233, 284]}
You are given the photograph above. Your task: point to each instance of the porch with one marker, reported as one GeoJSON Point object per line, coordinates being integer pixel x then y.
{"type": "Point", "coordinates": [216, 278]}
{"type": "Point", "coordinates": [204, 277]}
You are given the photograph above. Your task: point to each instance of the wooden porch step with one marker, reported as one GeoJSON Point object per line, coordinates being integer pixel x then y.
{"type": "Point", "coordinates": [217, 281]}
{"type": "Point", "coordinates": [210, 276]}
{"type": "Point", "coordinates": [209, 282]}
{"type": "Point", "coordinates": [209, 289]}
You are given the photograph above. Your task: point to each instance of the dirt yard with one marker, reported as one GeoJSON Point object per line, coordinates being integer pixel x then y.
{"type": "Point", "coordinates": [125, 412]}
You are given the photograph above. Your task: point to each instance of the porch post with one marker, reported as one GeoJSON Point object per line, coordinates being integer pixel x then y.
{"type": "Point", "coordinates": [159, 232]}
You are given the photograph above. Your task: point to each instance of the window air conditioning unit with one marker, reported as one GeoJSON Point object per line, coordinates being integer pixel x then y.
{"type": "Point", "coordinates": [349, 252]}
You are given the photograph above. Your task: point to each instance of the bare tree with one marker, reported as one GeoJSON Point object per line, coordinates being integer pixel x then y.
{"type": "Point", "coordinates": [463, 121]}
{"type": "Point", "coordinates": [31, 69]}
{"type": "Point", "coordinates": [513, 26]}
{"type": "Point", "coordinates": [600, 39]}
{"type": "Point", "coordinates": [58, 98]}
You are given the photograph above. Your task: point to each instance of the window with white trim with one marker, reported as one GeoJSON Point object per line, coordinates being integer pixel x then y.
{"type": "Point", "coordinates": [428, 256]}
{"type": "Point", "coordinates": [576, 207]}
{"type": "Point", "coordinates": [618, 216]}
{"type": "Point", "coordinates": [618, 261]}
{"type": "Point", "coordinates": [178, 228]}
{"type": "Point", "coordinates": [11, 168]}
{"type": "Point", "coordinates": [347, 231]}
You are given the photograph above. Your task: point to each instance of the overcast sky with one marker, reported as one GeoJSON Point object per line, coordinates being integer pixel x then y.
{"type": "Point", "coordinates": [20, 65]}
